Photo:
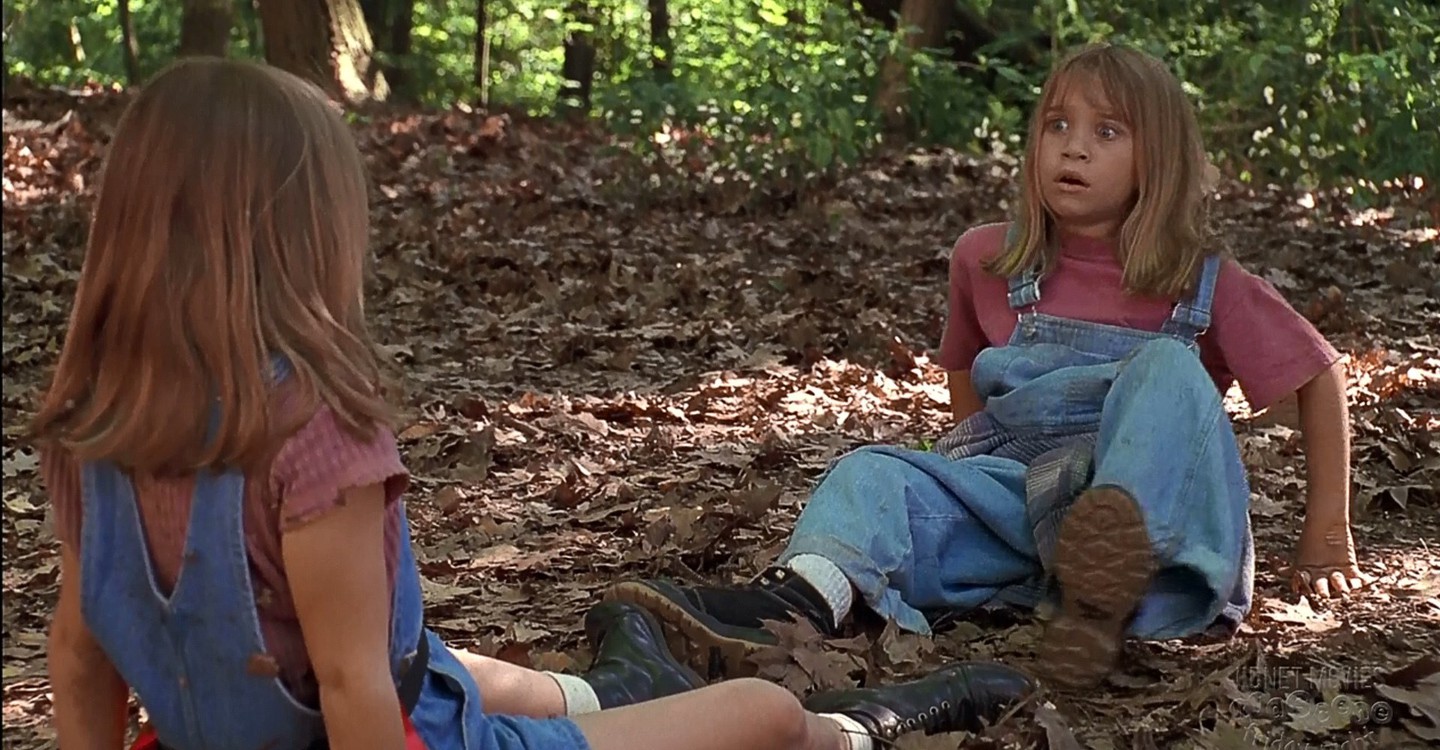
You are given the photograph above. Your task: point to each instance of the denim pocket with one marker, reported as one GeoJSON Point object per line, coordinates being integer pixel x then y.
{"type": "Point", "coordinates": [447, 716]}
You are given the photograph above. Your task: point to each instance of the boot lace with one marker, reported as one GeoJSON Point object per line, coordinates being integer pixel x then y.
{"type": "Point", "coordinates": [945, 715]}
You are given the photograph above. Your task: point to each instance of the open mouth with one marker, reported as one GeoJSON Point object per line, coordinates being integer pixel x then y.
{"type": "Point", "coordinates": [1072, 179]}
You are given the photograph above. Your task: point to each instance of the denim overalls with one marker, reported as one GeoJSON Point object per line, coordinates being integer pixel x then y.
{"type": "Point", "coordinates": [1068, 403]}
{"type": "Point", "coordinates": [190, 657]}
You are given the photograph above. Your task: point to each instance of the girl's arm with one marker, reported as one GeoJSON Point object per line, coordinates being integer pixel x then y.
{"type": "Point", "coordinates": [1325, 428]}
{"type": "Point", "coordinates": [90, 698]}
{"type": "Point", "coordinates": [963, 399]}
{"type": "Point", "coordinates": [1327, 551]}
{"type": "Point", "coordinates": [336, 569]}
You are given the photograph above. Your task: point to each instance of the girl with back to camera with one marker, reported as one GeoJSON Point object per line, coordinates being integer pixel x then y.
{"type": "Point", "coordinates": [1088, 344]}
{"type": "Point", "coordinates": [227, 488]}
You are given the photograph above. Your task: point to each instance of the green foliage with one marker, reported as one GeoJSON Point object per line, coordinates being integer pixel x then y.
{"type": "Point", "coordinates": [526, 53]}
{"type": "Point", "coordinates": [768, 92]}
{"type": "Point", "coordinates": [72, 41]}
{"type": "Point", "coordinates": [1316, 91]}
{"type": "Point", "coordinates": [1325, 90]}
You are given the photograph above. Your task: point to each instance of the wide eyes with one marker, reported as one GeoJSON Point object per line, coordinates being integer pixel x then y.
{"type": "Point", "coordinates": [1105, 131]}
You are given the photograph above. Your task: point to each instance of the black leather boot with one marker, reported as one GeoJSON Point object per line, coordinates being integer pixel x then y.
{"type": "Point", "coordinates": [632, 663]}
{"type": "Point", "coordinates": [956, 698]}
{"type": "Point", "coordinates": [725, 624]}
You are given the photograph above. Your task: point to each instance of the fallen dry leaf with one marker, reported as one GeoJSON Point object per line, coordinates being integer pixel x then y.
{"type": "Point", "coordinates": [1057, 733]}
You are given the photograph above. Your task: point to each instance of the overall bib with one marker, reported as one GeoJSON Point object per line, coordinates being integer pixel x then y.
{"type": "Point", "coordinates": [924, 535]}
{"type": "Point", "coordinates": [189, 656]}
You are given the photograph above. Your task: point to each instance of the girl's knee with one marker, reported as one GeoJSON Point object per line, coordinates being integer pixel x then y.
{"type": "Point", "coordinates": [1166, 359]}
{"type": "Point", "coordinates": [777, 714]}
{"type": "Point", "coordinates": [861, 463]}
{"type": "Point", "coordinates": [1163, 352]}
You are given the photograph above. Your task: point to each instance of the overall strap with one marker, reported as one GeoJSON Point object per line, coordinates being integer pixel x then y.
{"type": "Point", "coordinates": [409, 654]}
{"type": "Point", "coordinates": [188, 655]}
{"type": "Point", "coordinates": [1191, 316]}
{"type": "Point", "coordinates": [1024, 288]}
{"type": "Point", "coordinates": [280, 369]}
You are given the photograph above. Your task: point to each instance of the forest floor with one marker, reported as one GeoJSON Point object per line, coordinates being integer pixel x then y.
{"type": "Point", "coordinates": [613, 375]}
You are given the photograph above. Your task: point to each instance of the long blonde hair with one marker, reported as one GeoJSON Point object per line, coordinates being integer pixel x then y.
{"type": "Point", "coordinates": [1162, 239]}
{"type": "Point", "coordinates": [231, 225]}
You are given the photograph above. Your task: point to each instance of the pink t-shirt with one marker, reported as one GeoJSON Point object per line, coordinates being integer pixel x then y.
{"type": "Point", "coordinates": [304, 482]}
{"type": "Point", "coordinates": [1255, 338]}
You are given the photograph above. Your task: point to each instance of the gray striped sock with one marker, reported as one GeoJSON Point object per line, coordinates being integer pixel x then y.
{"type": "Point", "coordinates": [829, 580]}
{"type": "Point", "coordinates": [855, 732]}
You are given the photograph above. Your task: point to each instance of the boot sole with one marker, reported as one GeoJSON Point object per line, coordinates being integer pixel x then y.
{"type": "Point", "coordinates": [722, 652]}
{"type": "Point", "coordinates": [1104, 563]}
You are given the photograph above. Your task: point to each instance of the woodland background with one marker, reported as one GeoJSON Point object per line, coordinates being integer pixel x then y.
{"type": "Point", "coordinates": [649, 266]}
{"type": "Point", "coordinates": [1310, 91]}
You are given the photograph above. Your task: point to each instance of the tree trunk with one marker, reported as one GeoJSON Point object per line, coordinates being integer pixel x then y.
{"type": "Point", "coordinates": [577, 72]}
{"type": "Point", "coordinates": [927, 21]}
{"type": "Point", "coordinates": [972, 31]}
{"type": "Point", "coordinates": [131, 49]}
{"type": "Point", "coordinates": [482, 53]}
{"type": "Point", "coordinates": [662, 49]}
{"type": "Point", "coordinates": [324, 41]}
{"type": "Point", "coordinates": [205, 27]}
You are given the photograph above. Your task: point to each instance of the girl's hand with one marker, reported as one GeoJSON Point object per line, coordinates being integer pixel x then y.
{"type": "Point", "coordinates": [1325, 563]}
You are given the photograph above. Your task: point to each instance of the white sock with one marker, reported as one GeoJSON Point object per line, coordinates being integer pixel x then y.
{"type": "Point", "coordinates": [828, 579]}
{"type": "Point", "coordinates": [580, 698]}
{"type": "Point", "coordinates": [854, 732]}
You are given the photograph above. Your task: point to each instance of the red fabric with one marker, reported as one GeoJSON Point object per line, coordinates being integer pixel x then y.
{"type": "Point", "coordinates": [412, 739]}
{"type": "Point", "coordinates": [1256, 338]}
{"type": "Point", "coordinates": [304, 482]}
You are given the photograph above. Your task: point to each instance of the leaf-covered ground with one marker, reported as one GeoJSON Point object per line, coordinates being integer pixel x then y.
{"type": "Point", "coordinates": [615, 374]}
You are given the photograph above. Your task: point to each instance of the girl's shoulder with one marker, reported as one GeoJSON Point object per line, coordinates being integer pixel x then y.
{"type": "Point", "coordinates": [1245, 300]}
{"type": "Point", "coordinates": [1237, 286]}
{"type": "Point", "coordinates": [979, 244]}
{"type": "Point", "coordinates": [325, 457]}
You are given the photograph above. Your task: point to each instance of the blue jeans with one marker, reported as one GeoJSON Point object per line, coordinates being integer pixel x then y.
{"type": "Point", "coordinates": [915, 531]}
